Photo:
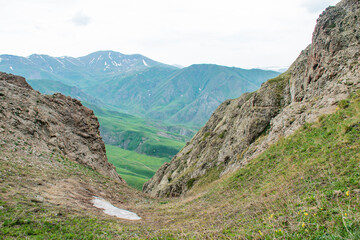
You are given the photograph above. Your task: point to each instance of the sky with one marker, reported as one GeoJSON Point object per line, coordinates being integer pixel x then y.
{"type": "Point", "coordinates": [246, 34]}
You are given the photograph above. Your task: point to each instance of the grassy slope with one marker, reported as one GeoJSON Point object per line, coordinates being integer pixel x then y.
{"type": "Point", "coordinates": [303, 187]}
{"type": "Point", "coordinates": [44, 196]}
{"type": "Point", "coordinates": [132, 132]}
{"type": "Point", "coordinates": [135, 168]}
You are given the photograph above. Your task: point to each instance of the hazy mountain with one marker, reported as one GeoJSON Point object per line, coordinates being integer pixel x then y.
{"type": "Point", "coordinates": [81, 71]}
{"type": "Point", "coordinates": [183, 96]}
{"type": "Point", "coordinates": [132, 92]}
{"type": "Point", "coordinates": [139, 85]}
{"type": "Point", "coordinates": [193, 93]}
{"type": "Point", "coordinates": [51, 87]}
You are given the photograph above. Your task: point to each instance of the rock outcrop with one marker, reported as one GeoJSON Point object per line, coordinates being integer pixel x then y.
{"type": "Point", "coordinates": [326, 72]}
{"type": "Point", "coordinates": [52, 123]}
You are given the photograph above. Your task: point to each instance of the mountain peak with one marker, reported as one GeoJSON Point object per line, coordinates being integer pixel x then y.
{"type": "Point", "coordinates": [38, 55]}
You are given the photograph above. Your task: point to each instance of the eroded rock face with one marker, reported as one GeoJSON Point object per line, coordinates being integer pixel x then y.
{"type": "Point", "coordinates": [240, 129]}
{"type": "Point", "coordinates": [52, 123]}
{"type": "Point", "coordinates": [15, 80]}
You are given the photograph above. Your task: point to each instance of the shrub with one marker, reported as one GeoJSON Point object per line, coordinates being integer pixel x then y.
{"type": "Point", "coordinates": [344, 104]}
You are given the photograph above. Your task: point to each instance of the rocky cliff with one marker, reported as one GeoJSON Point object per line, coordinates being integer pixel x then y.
{"type": "Point", "coordinates": [326, 72]}
{"type": "Point", "coordinates": [52, 123]}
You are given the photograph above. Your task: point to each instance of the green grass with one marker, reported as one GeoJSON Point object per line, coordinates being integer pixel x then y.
{"type": "Point", "coordinates": [20, 222]}
{"type": "Point", "coordinates": [305, 186]}
{"type": "Point", "coordinates": [137, 134]}
{"type": "Point", "coordinates": [281, 78]}
{"type": "Point", "coordinates": [135, 168]}
{"type": "Point", "coordinates": [22, 217]}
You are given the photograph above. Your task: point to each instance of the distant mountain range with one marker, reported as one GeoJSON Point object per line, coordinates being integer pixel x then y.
{"type": "Point", "coordinates": [80, 72]}
{"type": "Point", "coordinates": [139, 85]}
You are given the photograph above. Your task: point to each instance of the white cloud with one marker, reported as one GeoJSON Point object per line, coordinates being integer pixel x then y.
{"type": "Point", "coordinates": [228, 32]}
{"type": "Point", "coordinates": [80, 19]}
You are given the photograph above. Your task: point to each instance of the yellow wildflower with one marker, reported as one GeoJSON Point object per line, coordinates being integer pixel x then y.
{"type": "Point", "coordinates": [345, 214]}
{"type": "Point", "coordinates": [271, 216]}
{"type": "Point", "coordinates": [303, 225]}
{"type": "Point", "coordinates": [260, 233]}
{"type": "Point", "coordinates": [306, 214]}
{"type": "Point", "coordinates": [348, 193]}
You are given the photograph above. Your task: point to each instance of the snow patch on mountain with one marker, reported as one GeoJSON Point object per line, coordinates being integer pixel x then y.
{"type": "Point", "coordinates": [63, 65]}
{"type": "Point", "coordinates": [42, 58]}
{"type": "Point", "coordinates": [116, 64]}
{"type": "Point", "coordinates": [145, 63]}
{"type": "Point", "coordinates": [99, 58]}
{"type": "Point", "coordinates": [114, 211]}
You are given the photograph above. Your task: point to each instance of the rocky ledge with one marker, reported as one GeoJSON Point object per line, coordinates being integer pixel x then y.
{"type": "Point", "coordinates": [52, 123]}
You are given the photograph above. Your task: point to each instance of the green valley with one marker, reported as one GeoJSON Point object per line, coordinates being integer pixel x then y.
{"type": "Point", "coordinates": [139, 135]}
{"type": "Point", "coordinates": [143, 106]}
{"type": "Point", "coordinates": [137, 147]}
{"type": "Point", "coordinates": [133, 143]}
{"type": "Point", "coordinates": [133, 167]}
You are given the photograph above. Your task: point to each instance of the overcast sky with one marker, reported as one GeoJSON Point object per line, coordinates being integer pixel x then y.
{"type": "Point", "coordinates": [247, 34]}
